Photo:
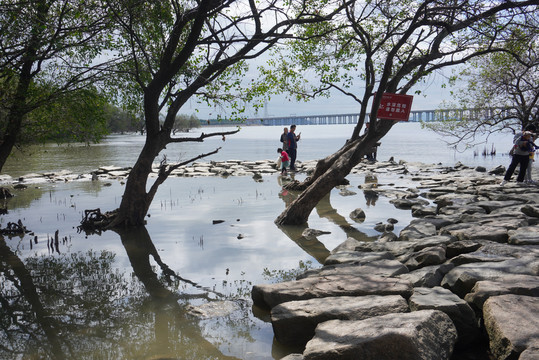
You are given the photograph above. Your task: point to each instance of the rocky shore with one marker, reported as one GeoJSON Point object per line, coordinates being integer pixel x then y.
{"type": "Point", "coordinates": [459, 282]}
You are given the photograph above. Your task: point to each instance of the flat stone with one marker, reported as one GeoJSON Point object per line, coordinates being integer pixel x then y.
{"type": "Point", "coordinates": [356, 257]}
{"type": "Point", "coordinates": [531, 353]}
{"type": "Point", "coordinates": [383, 267]}
{"type": "Point", "coordinates": [293, 357]}
{"type": "Point", "coordinates": [438, 298]}
{"type": "Point", "coordinates": [511, 284]}
{"type": "Point", "coordinates": [417, 230]}
{"type": "Point", "coordinates": [512, 324]}
{"type": "Point", "coordinates": [349, 244]}
{"type": "Point", "coordinates": [461, 247]}
{"type": "Point", "coordinates": [462, 278]}
{"type": "Point", "coordinates": [428, 276]}
{"type": "Point", "coordinates": [420, 335]}
{"type": "Point", "coordinates": [270, 295]}
{"type": "Point", "coordinates": [294, 322]}
{"type": "Point", "coordinates": [490, 205]}
{"type": "Point", "coordinates": [528, 235]}
{"type": "Point", "coordinates": [213, 309]}
{"type": "Point", "coordinates": [473, 231]}
{"type": "Point", "coordinates": [434, 255]}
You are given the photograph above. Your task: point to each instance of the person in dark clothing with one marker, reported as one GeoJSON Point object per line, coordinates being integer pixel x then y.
{"type": "Point", "coordinates": [523, 146]}
{"type": "Point", "coordinates": [292, 146]}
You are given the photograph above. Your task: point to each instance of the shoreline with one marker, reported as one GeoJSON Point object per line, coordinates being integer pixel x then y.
{"type": "Point", "coordinates": [465, 270]}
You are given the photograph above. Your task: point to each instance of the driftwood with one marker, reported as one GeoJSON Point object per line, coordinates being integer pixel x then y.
{"type": "Point", "coordinates": [94, 221]}
{"type": "Point", "coordinates": [5, 193]}
{"type": "Point", "coordinates": [14, 229]}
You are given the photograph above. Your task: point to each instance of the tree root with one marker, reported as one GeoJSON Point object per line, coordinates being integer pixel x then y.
{"type": "Point", "coordinates": [94, 222]}
{"type": "Point", "coordinates": [14, 229]}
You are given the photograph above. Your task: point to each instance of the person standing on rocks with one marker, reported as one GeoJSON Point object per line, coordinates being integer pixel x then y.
{"type": "Point", "coordinates": [285, 160]}
{"type": "Point", "coordinates": [523, 146]}
{"type": "Point", "coordinates": [293, 146]}
{"type": "Point", "coordinates": [284, 139]}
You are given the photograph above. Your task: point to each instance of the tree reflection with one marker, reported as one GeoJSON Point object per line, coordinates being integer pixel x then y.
{"type": "Point", "coordinates": [312, 245]}
{"type": "Point", "coordinates": [79, 306]}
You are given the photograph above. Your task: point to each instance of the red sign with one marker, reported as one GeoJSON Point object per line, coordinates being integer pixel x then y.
{"type": "Point", "coordinates": [395, 107]}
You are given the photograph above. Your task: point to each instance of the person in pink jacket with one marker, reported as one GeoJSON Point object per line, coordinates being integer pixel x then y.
{"type": "Point", "coordinates": [285, 160]}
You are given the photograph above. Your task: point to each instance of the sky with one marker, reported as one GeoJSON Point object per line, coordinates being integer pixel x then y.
{"type": "Point", "coordinates": [432, 95]}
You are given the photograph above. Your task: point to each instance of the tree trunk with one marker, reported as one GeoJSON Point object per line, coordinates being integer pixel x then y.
{"type": "Point", "coordinates": [299, 210]}
{"type": "Point", "coordinates": [136, 200]}
{"type": "Point", "coordinates": [329, 173]}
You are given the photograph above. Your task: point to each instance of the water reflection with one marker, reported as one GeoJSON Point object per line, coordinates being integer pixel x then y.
{"type": "Point", "coordinates": [171, 319]}
{"type": "Point", "coordinates": [310, 244]}
{"type": "Point", "coordinates": [78, 306]}
{"type": "Point", "coordinates": [371, 195]}
{"type": "Point", "coordinates": [22, 314]}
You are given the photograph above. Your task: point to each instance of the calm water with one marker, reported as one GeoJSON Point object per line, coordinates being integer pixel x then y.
{"type": "Point", "coordinates": [98, 296]}
{"type": "Point", "coordinates": [405, 141]}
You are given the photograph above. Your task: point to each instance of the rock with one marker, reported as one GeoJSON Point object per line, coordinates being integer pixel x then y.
{"type": "Point", "coordinates": [473, 231]}
{"type": "Point", "coordinates": [293, 357]}
{"type": "Point", "coordinates": [481, 169]}
{"type": "Point", "coordinates": [531, 353]}
{"type": "Point", "coordinates": [346, 192]}
{"type": "Point", "coordinates": [511, 284]}
{"type": "Point", "coordinates": [421, 335]}
{"type": "Point", "coordinates": [356, 257]}
{"type": "Point", "coordinates": [434, 255]}
{"type": "Point", "coordinates": [461, 247]}
{"type": "Point", "coordinates": [530, 210]}
{"type": "Point", "coordinates": [358, 215]}
{"type": "Point", "coordinates": [462, 315]}
{"type": "Point", "coordinates": [312, 233]}
{"type": "Point", "coordinates": [462, 278]}
{"type": "Point", "coordinates": [408, 203]}
{"type": "Point", "coordinates": [294, 322]}
{"type": "Point", "coordinates": [528, 235]}
{"type": "Point", "coordinates": [213, 309]}
{"type": "Point", "coordinates": [422, 211]}
{"type": "Point", "coordinates": [428, 276]}
{"type": "Point", "coordinates": [383, 267]}
{"type": "Point", "coordinates": [270, 295]}
{"type": "Point", "coordinates": [512, 324]}
{"type": "Point", "coordinates": [388, 236]}
{"type": "Point", "coordinates": [417, 230]}
{"type": "Point", "coordinates": [381, 227]}
{"type": "Point", "coordinates": [498, 170]}
{"type": "Point", "coordinates": [349, 244]}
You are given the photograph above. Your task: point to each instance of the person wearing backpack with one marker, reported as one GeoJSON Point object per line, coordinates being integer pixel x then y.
{"type": "Point", "coordinates": [521, 156]}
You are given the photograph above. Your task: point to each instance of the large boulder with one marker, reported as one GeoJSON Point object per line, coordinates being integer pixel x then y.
{"type": "Point", "coordinates": [359, 257]}
{"type": "Point", "coordinates": [433, 255]}
{"type": "Point", "coordinates": [417, 230]}
{"type": "Point", "coordinates": [512, 324]}
{"type": "Point", "coordinates": [510, 284]}
{"type": "Point", "coordinates": [462, 278]}
{"type": "Point", "coordinates": [270, 295]}
{"type": "Point", "coordinates": [420, 335]}
{"type": "Point", "coordinates": [383, 267]}
{"type": "Point", "coordinates": [528, 235]}
{"type": "Point", "coordinates": [428, 276]}
{"type": "Point", "coordinates": [294, 322]}
{"type": "Point", "coordinates": [458, 310]}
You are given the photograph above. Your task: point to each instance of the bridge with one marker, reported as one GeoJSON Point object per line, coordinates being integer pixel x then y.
{"type": "Point", "coordinates": [415, 116]}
